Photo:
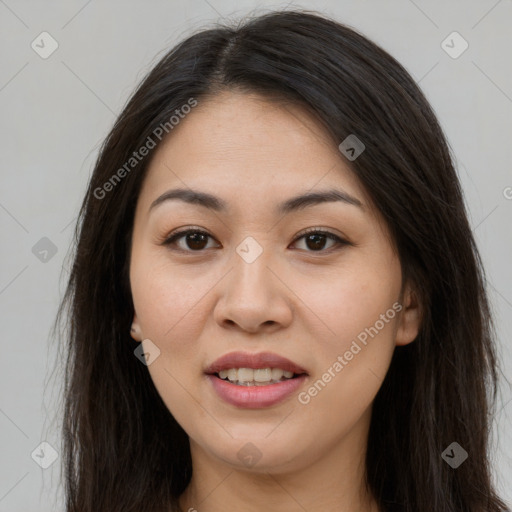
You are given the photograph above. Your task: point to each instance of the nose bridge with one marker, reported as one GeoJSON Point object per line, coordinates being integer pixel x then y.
{"type": "Point", "coordinates": [251, 262]}
{"type": "Point", "coordinates": [252, 295]}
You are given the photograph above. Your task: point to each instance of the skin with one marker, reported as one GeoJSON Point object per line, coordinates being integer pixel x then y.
{"type": "Point", "coordinates": [304, 304]}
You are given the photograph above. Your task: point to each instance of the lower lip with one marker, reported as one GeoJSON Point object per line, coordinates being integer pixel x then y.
{"type": "Point", "coordinates": [255, 397]}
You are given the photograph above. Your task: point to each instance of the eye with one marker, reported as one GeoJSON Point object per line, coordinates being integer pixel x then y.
{"type": "Point", "coordinates": [194, 239]}
{"type": "Point", "coordinates": [315, 239]}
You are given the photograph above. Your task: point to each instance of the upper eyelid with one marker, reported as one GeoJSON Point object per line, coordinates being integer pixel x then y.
{"type": "Point", "coordinates": [305, 232]}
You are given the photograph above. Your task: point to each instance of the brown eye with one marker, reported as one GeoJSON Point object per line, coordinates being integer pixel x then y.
{"type": "Point", "coordinates": [194, 239]}
{"type": "Point", "coordinates": [316, 240]}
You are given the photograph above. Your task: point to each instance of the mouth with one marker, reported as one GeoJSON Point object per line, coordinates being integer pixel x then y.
{"type": "Point", "coordinates": [256, 376]}
{"type": "Point", "coordinates": [255, 380]}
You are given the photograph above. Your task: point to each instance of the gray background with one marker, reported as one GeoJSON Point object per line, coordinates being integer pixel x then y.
{"type": "Point", "coordinates": [56, 111]}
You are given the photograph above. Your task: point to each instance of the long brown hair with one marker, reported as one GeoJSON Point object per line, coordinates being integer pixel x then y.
{"type": "Point", "coordinates": [123, 450]}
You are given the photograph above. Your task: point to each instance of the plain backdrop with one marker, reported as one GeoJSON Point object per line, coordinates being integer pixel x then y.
{"type": "Point", "coordinates": [55, 112]}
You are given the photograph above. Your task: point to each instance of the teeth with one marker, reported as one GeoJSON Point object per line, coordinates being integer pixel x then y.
{"type": "Point", "coordinates": [245, 375]}
{"type": "Point", "coordinates": [263, 375]}
{"type": "Point", "coordinates": [257, 377]}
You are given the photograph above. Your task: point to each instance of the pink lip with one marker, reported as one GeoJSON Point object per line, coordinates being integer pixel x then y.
{"type": "Point", "coordinates": [255, 397]}
{"type": "Point", "coordinates": [248, 360]}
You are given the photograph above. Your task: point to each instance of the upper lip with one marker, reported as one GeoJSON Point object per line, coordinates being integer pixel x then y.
{"type": "Point", "coordinates": [248, 360]}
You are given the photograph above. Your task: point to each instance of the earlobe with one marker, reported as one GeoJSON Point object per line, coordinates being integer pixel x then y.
{"type": "Point", "coordinates": [410, 319]}
{"type": "Point", "coordinates": [135, 329]}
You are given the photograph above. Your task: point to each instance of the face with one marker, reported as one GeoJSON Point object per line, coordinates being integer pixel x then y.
{"type": "Point", "coordinates": [313, 289]}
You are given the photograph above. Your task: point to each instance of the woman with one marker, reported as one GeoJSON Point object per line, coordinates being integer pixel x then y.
{"type": "Point", "coordinates": [275, 219]}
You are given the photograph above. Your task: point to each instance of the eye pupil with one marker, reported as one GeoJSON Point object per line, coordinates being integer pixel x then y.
{"type": "Point", "coordinates": [194, 238]}
{"type": "Point", "coordinates": [314, 238]}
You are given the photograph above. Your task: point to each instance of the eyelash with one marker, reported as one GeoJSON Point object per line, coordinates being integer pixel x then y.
{"type": "Point", "coordinates": [180, 234]}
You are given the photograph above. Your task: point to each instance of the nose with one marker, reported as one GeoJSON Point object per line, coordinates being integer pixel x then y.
{"type": "Point", "coordinates": [254, 297]}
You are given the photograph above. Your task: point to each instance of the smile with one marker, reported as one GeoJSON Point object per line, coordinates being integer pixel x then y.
{"type": "Point", "coordinates": [253, 395]}
{"type": "Point", "coordinates": [249, 380]}
{"type": "Point", "coordinates": [255, 377]}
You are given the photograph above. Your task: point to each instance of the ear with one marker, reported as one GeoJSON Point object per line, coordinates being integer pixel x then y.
{"type": "Point", "coordinates": [409, 321]}
{"type": "Point", "coordinates": [135, 331]}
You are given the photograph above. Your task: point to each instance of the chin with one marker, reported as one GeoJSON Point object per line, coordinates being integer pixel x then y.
{"type": "Point", "coordinates": [262, 455]}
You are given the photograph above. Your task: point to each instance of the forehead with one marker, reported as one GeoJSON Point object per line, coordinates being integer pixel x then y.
{"type": "Point", "coordinates": [244, 147]}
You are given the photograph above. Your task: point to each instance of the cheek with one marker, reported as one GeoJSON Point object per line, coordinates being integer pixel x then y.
{"type": "Point", "coordinates": [350, 366]}
{"type": "Point", "coordinates": [169, 310]}
{"type": "Point", "coordinates": [347, 300]}
{"type": "Point", "coordinates": [359, 313]}
{"type": "Point", "coordinates": [167, 300]}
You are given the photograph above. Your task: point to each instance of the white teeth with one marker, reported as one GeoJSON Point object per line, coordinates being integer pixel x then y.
{"type": "Point", "coordinates": [263, 375]}
{"type": "Point", "coordinates": [277, 373]}
{"type": "Point", "coordinates": [245, 374]}
{"type": "Point", "coordinates": [255, 377]}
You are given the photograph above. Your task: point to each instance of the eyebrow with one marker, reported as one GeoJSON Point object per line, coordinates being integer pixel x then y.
{"type": "Point", "coordinates": [295, 203]}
